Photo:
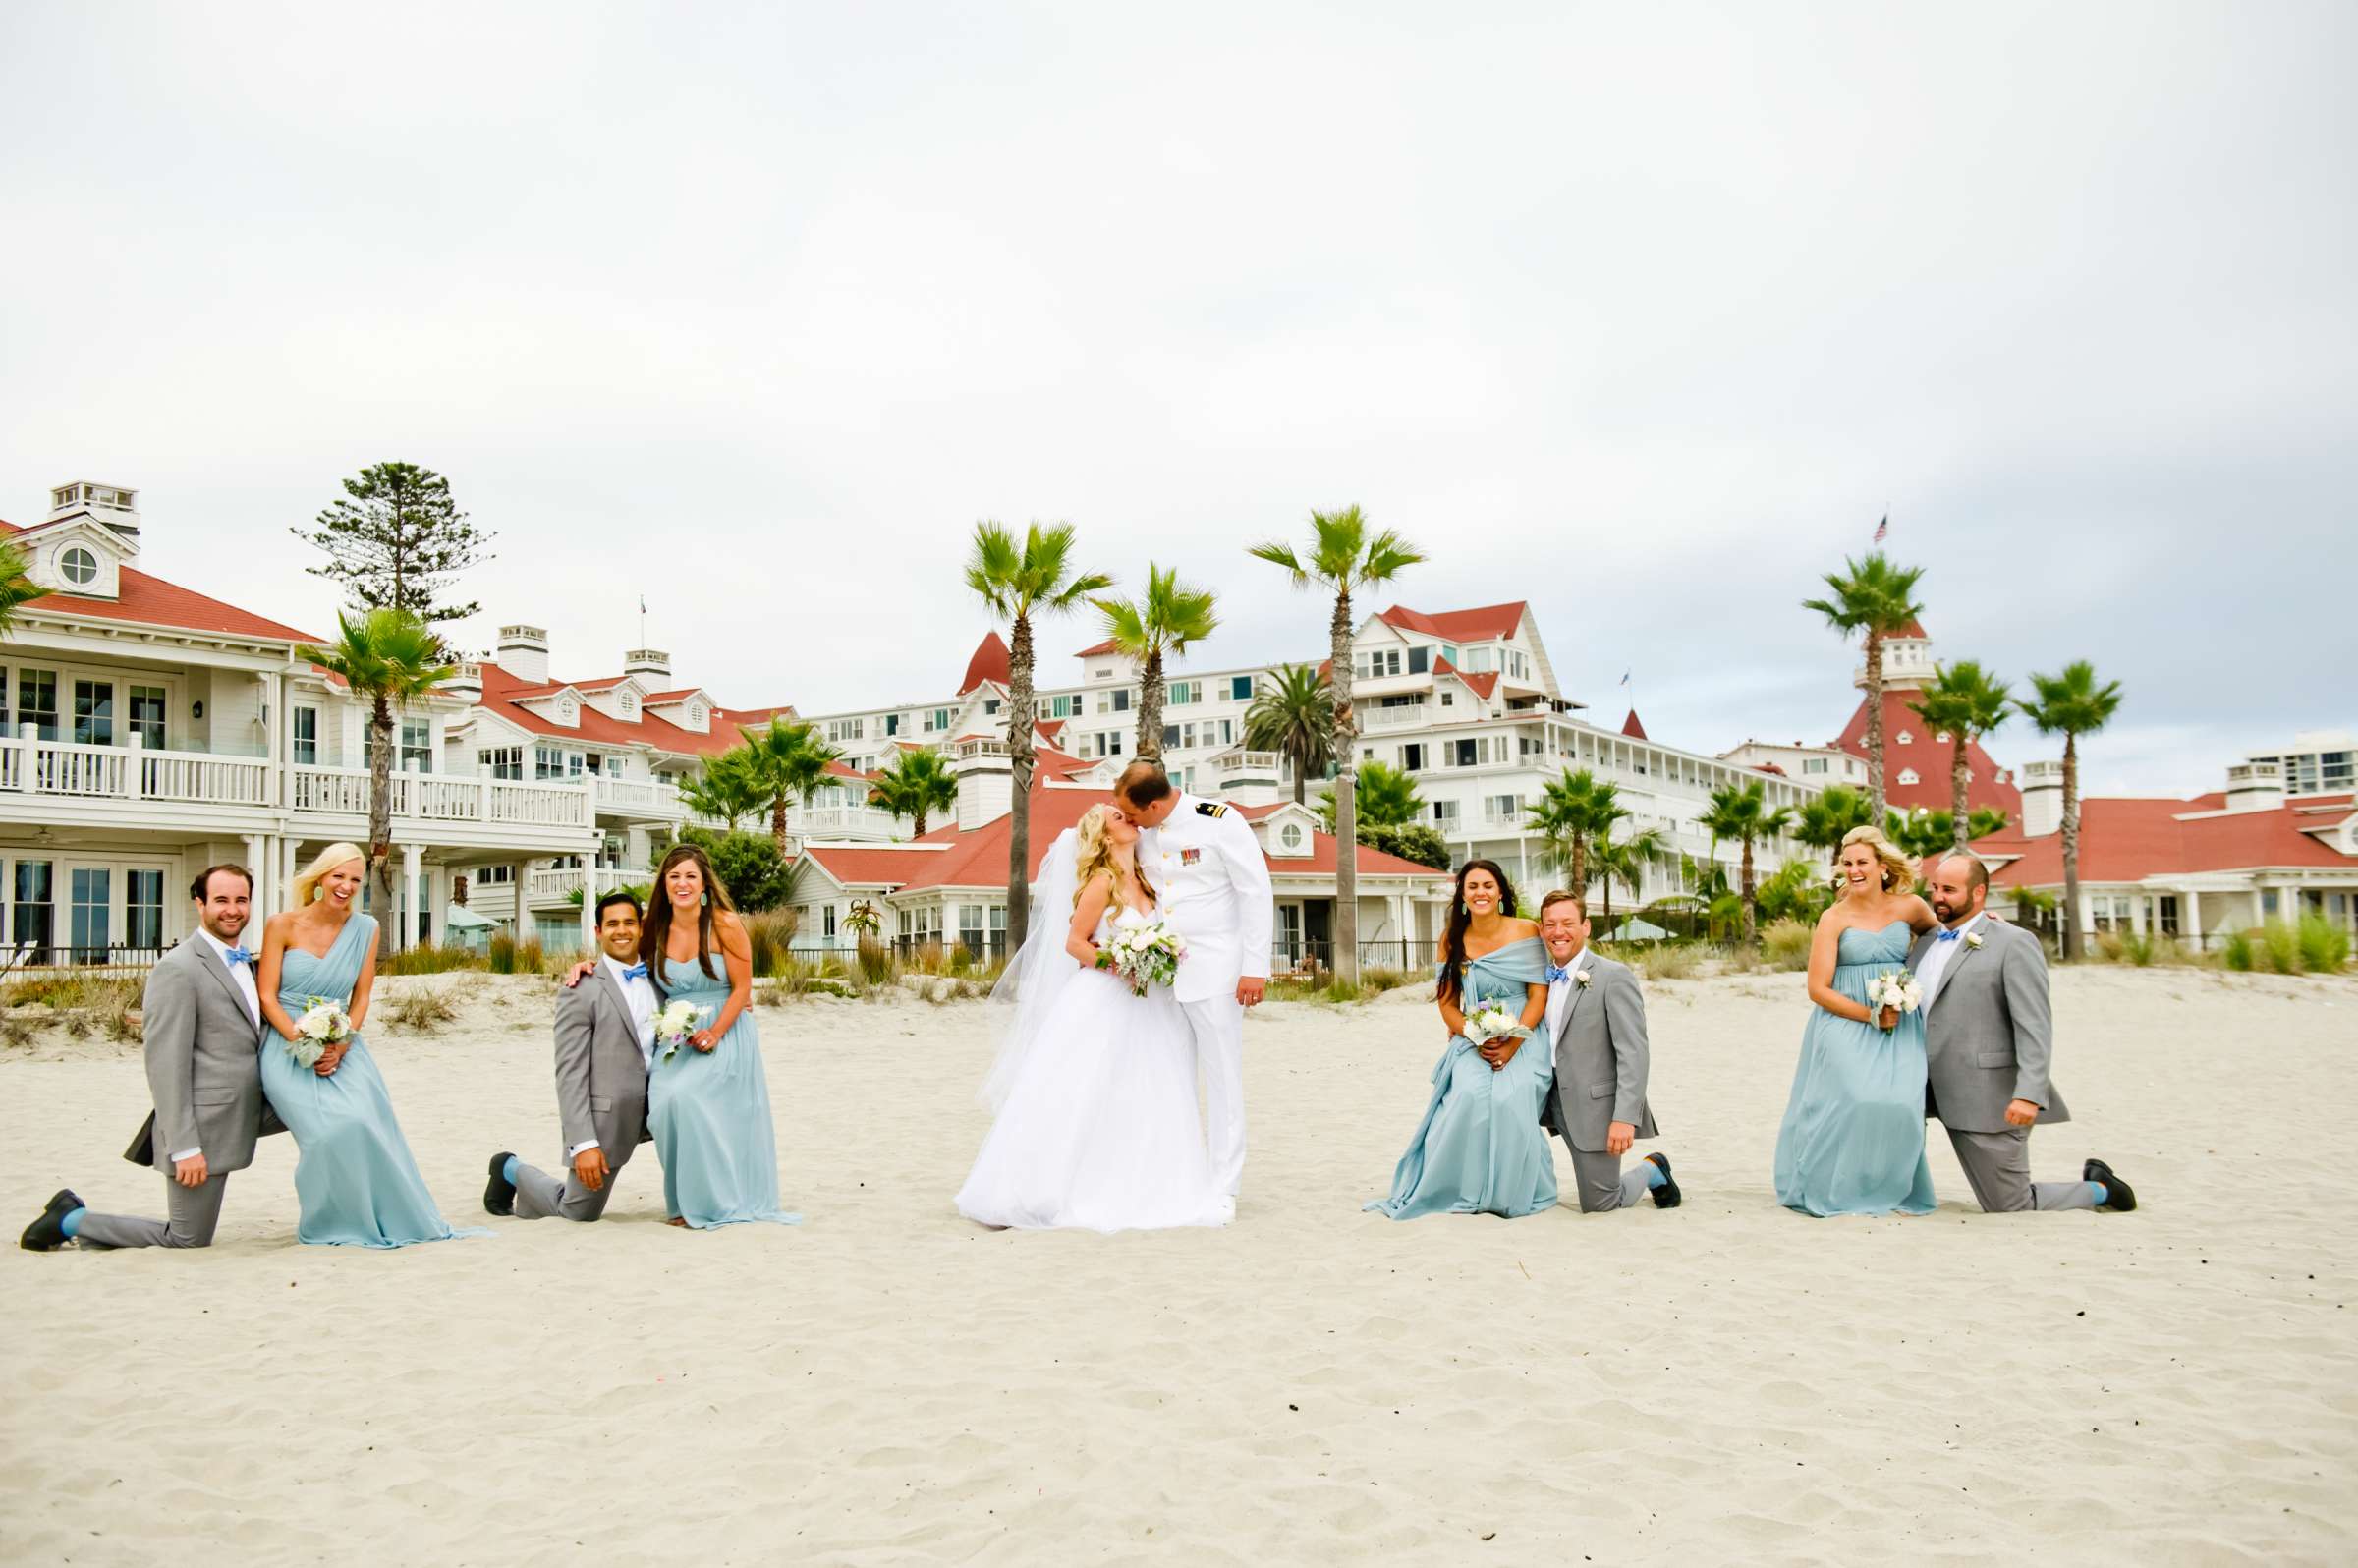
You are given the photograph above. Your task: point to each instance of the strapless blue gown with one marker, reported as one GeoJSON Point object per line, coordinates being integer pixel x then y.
{"type": "Point", "coordinates": [1852, 1141]}
{"type": "Point", "coordinates": [1480, 1148]}
{"type": "Point", "coordinates": [709, 1112]}
{"type": "Point", "coordinates": [355, 1177]}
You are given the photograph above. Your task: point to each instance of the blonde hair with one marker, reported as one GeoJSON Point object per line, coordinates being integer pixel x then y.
{"type": "Point", "coordinates": [308, 880]}
{"type": "Point", "coordinates": [1094, 853]}
{"type": "Point", "coordinates": [1899, 870]}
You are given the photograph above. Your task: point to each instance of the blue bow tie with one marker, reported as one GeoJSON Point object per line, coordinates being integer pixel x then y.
{"type": "Point", "coordinates": [1947, 936]}
{"type": "Point", "coordinates": [236, 956]}
{"type": "Point", "coordinates": [1554, 973]}
{"type": "Point", "coordinates": [635, 972]}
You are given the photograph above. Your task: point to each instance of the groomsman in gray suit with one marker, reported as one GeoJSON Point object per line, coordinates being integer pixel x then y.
{"type": "Point", "coordinates": [1596, 1021]}
{"type": "Point", "coordinates": [605, 1048]}
{"type": "Point", "coordinates": [1988, 1040]}
{"type": "Point", "coordinates": [203, 1027]}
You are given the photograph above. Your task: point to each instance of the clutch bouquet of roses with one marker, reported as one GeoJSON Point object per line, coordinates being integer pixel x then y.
{"type": "Point", "coordinates": [674, 1022]}
{"type": "Point", "coordinates": [1487, 1024]}
{"type": "Point", "coordinates": [1897, 990]}
{"type": "Point", "coordinates": [1142, 949]}
{"type": "Point", "coordinates": [321, 1022]}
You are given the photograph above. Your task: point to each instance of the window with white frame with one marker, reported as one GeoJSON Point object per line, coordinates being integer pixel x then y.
{"type": "Point", "coordinates": [1376, 663]}
{"type": "Point", "coordinates": [1503, 808]}
{"type": "Point", "coordinates": [1907, 775]}
{"type": "Point", "coordinates": [416, 745]}
{"type": "Point", "coordinates": [1813, 764]}
{"type": "Point", "coordinates": [1477, 660]}
{"type": "Point", "coordinates": [549, 762]}
{"type": "Point", "coordinates": [78, 566]}
{"type": "Point", "coordinates": [1903, 737]}
{"type": "Point", "coordinates": [1184, 692]}
{"type": "Point", "coordinates": [851, 729]}
{"type": "Point", "coordinates": [1444, 816]}
{"type": "Point", "coordinates": [36, 702]}
{"type": "Point", "coordinates": [93, 712]}
{"type": "Point", "coordinates": [1240, 689]}
{"type": "Point", "coordinates": [493, 762]}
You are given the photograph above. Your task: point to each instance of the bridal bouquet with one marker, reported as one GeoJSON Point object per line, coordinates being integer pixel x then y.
{"type": "Point", "coordinates": [1894, 989]}
{"type": "Point", "coordinates": [678, 1019]}
{"type": "Point", "coordinates": [321, 1022]}
{"type": "Point", "coordinates": [1144, 949]}
{"type": "Point", "coordinates": [1487, 1024]}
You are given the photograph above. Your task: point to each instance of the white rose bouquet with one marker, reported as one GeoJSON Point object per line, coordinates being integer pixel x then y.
{"type": "Point", "coordinates": [1894, 989]}
{"type": "Point", "coordinates": [1490, 1022]}
{"type": "Point", "coordinates": [1142, 949]}
{"type": "Point", "coordinates": [321, 1022]}
{"type": "Point", "coordinates": [674, 1022]}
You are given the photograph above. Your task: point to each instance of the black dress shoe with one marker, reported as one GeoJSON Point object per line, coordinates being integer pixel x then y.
{"type": "Point", "coordinates": [2120, 1197]}
{"type": "Point", "coordinates": [48, 1233]}
{"type": "Point", "coordinates": [1667, 1195]}
{"type": "Point", "coordinates": [499, 1193]}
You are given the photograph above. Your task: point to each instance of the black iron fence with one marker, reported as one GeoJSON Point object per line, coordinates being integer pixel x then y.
{"type": "Point", "coordinates": [120, 956]}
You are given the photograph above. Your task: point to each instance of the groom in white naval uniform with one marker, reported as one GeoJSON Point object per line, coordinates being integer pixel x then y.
{"type": "Point", "coordinates": [1214, 884]}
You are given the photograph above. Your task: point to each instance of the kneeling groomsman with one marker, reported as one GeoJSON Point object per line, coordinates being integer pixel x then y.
{"type": "Point", "coordinates": [1596, 1020]}
{"type": "Point", "coordinates": [605, 1048]}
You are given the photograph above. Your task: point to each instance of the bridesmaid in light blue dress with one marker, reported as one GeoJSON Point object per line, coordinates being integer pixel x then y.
{"type": "Point", "coordinates": [354, 1175]}
{"type": "Point", "coordinates": [1852, 1141]}
{"type": "Point", "coordinates": [707, 1103]}
{"type": "Point", "coordinates": [1481, 1148]}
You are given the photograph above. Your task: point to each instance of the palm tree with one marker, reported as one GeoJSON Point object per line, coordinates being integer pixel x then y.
{"type": "Point", "coordinates": [17, 586]}
{"type": "Point", "coordinates": [1625, 860]}
{"type": "Point", "coordinates": [1741, 812]}
{"type": "Point", "coordinates": [1873, 596]}
{"type": "Point", "coordinates": [1966, 703]}
{"type": "Point", "coordinates": [916, 786]}
{"type": "Point", "coordinates": [1387, 797]}
{"type": "Point", "coordinates": [2071, 704]}
{"type": "Point", "coordinates": [787, 762]}
{"type": "Point", "coordinates": [1171, 616]}
{"type": "Point", "coordinates": [725, 790]}
{"type": "Point", "coordinates": [387, 658]}
{"type": "Point", "coordinates": [1018, 581]}
{"type": "Point", "coordinates": [1924, 832]}
{"type": "Point", "coordinates": [1572, 812]}
{"type": "Point", "coordinates": [1344, 557]}
{"type": "Point", "coordinates": [1294, 716]}
{"type": "Point", "coordinates": [1825, 818]}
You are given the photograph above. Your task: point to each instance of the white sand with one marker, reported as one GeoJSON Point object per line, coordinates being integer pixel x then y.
{"type": "Point", "coordinates": [1724, 1382]}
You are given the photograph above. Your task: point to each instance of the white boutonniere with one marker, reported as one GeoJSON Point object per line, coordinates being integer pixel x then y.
{"type": "Point", "coordinates": [1580, 977]}
{"type": "Point", "coordinates": [1973, 940]}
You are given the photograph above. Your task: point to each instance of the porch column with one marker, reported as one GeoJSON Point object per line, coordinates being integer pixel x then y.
{"type": "Point", "coordinates": [2137, 906]}
{"type": "Point", "coordinates": [517, 874]}
{"type": "Point", "coordinates": [2190, 918]}
{"type": "Point", "coordinates": [257, 850]}
{"type": "Point", "coordinates": [2258, 905]}
{"type": "Point", "coordinates": [289, 848]}
{"type": "Point", "coordinates": [592, 875]}
{"type": "Point", "coordinates": [412, 855]}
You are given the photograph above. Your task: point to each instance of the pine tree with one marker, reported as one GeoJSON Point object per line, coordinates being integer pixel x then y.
{"type": "Point", "coordinates": [395, 538]}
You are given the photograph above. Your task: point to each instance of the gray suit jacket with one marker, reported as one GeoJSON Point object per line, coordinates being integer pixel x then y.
{"type": "Point", "coordinates": [602, 1078]}
{"type": "Point", "coordinates": [1988, 1033]}
{"type": "Point", "coordinates": [1600, 1057]}
{"type": "Point", "coordinates": [204, 1069]}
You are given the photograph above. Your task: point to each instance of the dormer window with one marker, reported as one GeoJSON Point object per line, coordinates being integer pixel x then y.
{"type": "Point", "coordinates": [67, 496]}
{"type": "Point", "coordinates": [1907, 775]}
{"type": "Point", "coordinates": [78, 567]}
{"type": "Point", "coordinates": [696, 712]}
{"type": "Point", "coordinates": [1941, 738]}
{"type": "Point", "coordinates": [629, 703]}
{"type": "Point", "coordinates": [1290, 836]}
{"type": "Point", "coordinates": [1903, 737]}
{"type": "Point", "coordinates": [565, 710]}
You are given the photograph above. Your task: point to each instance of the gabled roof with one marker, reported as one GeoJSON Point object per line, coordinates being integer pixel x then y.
{"type": "Point", "coordinates": [869, 865]}
{"type": "Point", "coordinates": [1109, 646]}
{"type": "Point", "coordinates": [1483, 683]}
{"type": "Point", "coordinates": [1632, 728]}
{"type": "Point", "coordinates": [990, 663]}
{"type": "Point", "coordinates": [146, 600]}
{"type": "Point", "coordinates": [2127, 839]}
{"type": "Point", "coordinates": [1460, 626]}
{"type": "Point", "coordinates": [1930, 758]}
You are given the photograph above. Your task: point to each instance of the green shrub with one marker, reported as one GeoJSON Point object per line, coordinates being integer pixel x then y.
{"type": "Point", "coordinates": [423, 1009]}
{"type": "Point", "coordinates": [1786, 944]}
{"type": "Point", "coordinates": [877, 966]}
{"type": "Point", "coordinates": [1664, 960]}
{"type": "Point", "coordinates": [508, 956]}
{"type": "Point", "coordinates": [98, 993]}
{"type": "Point", "coordinates": [770, 936]}
{"type": "Point", "coordinates": [747, 864]}
{"type": "Point", "coordinates": [2323, 944]}
{"type": "Point", "coordinates": [1376, 981]}
{"type": "Point", "coordinates": [2280, 947]}
{"type": "Point", "coordinates": [2238, 952]}
{"type": "Point", "coordinates": [428, 960]}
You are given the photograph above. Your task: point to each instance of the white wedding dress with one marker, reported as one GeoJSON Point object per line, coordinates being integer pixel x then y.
{"type": "Point", "coordinates": [1095, 1089]}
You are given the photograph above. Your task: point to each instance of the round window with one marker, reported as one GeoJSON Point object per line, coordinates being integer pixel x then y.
{"type": "Point", "coordinates": [1292, 835]}
{"type": "Point", "coordinates": [78, 565]}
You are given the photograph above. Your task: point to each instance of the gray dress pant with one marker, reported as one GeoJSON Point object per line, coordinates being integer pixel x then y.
{"type": "Point", "coordinates": [540, 1196]}
{"type": "Point", "coordinates": [1998, 1165]}
{"type": "Point", "coordinates": [194, 1211]}
{"type": "Point", "coordinates": [1602, 1184]}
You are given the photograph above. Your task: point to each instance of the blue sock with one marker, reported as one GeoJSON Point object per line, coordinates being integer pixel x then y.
{"type": "Point", "coordinates": [2104, 1194]}
{"type": "Point", "coordinates": [1653, 1175]}
{"type": "Point", "coordinates": [507, 1172]}
{"type": "Point", "coordinates": [71, 1223]}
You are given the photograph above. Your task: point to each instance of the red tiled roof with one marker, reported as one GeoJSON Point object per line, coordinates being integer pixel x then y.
{"type": "Point", "coordinates": [1483, 683]}
{"type": "Point", "coordinates": [1931, 761]}
{"type": "Point", "coordinates": [868, 866]}
{"type": "Point", "coordinates": [2130, 839]}
{"type": "Point", "coordinates": [147, 600]}
{"type": "Point", "coordinates": [990, 663]}
{"type": "Point", "coordinates": [1914, 628]}
{"type": "Point", "coordinates": [1632, 728]}
{"type": "Point", "coordinates": [1096, 648]}
{"type": "Point", "coordinates": [1460, 626]}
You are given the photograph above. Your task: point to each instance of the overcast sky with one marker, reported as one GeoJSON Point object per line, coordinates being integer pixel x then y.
{"type": "Point", "coordinates": [1645, 313]}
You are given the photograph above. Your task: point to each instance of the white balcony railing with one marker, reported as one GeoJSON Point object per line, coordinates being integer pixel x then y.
{"type": "Point", "coordinates": [132, 774]}
{"type": "Point", "coordinates": [636, 797]}
{"type": "Point", "coordinates": [436, 798]}
{"type": "Point", "coordinates": [843, 821]}
{"type": "Point", "coordinates": [551, 883]}
{"type": "Point", "coordinates": [1381, 718]}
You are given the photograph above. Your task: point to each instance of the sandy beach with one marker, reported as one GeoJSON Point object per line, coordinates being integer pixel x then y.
{"type": "Point", "coordinates": [887, 1384]}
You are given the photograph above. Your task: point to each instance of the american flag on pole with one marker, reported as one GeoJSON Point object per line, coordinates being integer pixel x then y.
{"type": "Point", "coordinates": [1625, 676]}
{"type": "Point", "coordinates": [1882, 528]}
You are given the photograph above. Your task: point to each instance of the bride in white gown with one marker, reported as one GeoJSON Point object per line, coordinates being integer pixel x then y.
{"type": "Point", "coordinates": [1095, 1087]}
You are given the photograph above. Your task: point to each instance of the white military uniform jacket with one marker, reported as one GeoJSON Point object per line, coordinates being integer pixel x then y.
{"type": "Point", "coordinates": [1209, 871]}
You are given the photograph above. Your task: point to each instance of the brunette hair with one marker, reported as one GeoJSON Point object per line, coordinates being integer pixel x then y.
{"type": "Point", "coordinates": [1453, 942]}
{"type": "Point", "coordinates": [656, 934]}
{"type": "Point", "coordinates": [200, 888]}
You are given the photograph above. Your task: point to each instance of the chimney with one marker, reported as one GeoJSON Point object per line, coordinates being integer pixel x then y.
{"type": "Point", "coordinates": [2041, 799]}
{"type": "Point", "coordinates": [651, 665]}
{"type": "Point", "coordinates": [2255, 787]}
{"type": "Point", "coordinates": [524, 653]}
{"type": "Point", "coordinates": [985, 782]}
{"type": "Point", "coordinates": [109, 505]}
